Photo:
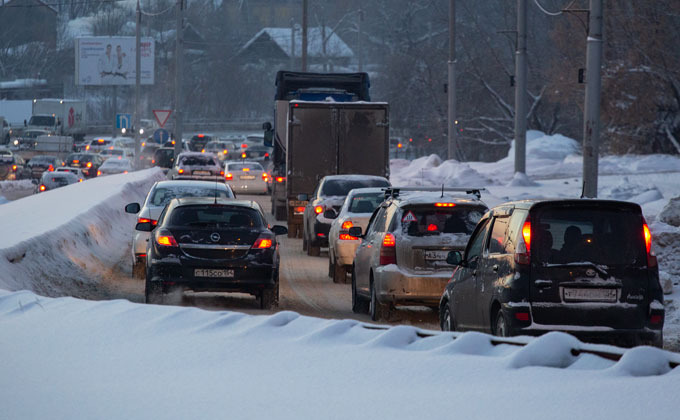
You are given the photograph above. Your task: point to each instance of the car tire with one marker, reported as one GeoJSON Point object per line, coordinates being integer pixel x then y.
{"type": "Point", "coordinates": [304, 243]}
{"type": "Point", "coordinates": [446, 319]}
{"type": "Point", "coordinates": [500, 325]}
{"type": "Point", "coordinates": [359, 304]}
{"type": "Point", "coordinates": [269, 298]}
{"type": "Point", "coordinates": [138, 270]}
{"type": "Point", "coordinates": [313, 251]}
{"type": "Point", "coordinates": [331, 266]}
{"type": "Point", "coordinates": [339, 273]}
{"type": "Point", "coordinates": [378, 311]}
{"type": "Point", "coordinates": [153, 292]}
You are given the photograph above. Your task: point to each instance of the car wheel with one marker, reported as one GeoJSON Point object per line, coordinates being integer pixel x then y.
{"type": "Point", "coordinates": [280, 213]}
{"type": "Point", "coordinates": [153, 292]}
{"type": "Point", "coordinates": [446, 320]}
{"type": "Point", "coordinates": [269, 299]}
{"type": "Point", "coordinates": [339, 273]}
{"type": "Point", "coordinates": [359, 304]}
{"type": "Point", "coordinates": [138, 270]}
{"type": "Point", "coordinates": [304, 242]}
{"type": "Point", "coordinates": [500, 328]}
{"type": "Point", "coordinates": [378, 311]}
{"type": "Point", "coordinates": [313, 251]}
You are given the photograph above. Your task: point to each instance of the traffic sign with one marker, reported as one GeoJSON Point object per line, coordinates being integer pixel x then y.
{"type": "Point", "coordinates": [161, 135]}
{"type": "Point", "coordinates": [162, 116]}
{"type": "Point", "coordinates": [123, 120]}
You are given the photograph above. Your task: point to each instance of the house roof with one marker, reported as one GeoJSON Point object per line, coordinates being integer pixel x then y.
{"type": "Point", "coordinates": [281, 37]}
{"type": "Point", "coordinates": [9, 2]}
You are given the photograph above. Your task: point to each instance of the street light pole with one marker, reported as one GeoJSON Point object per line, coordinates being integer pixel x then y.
{"type": "Point", "coordinates": [591, 112]}
{"type": "Point", "coordinates": [452, 80]}
{"type": "Point", "coordinates": [304, 35]}
{"type": "Point", "coordinates": [138, 71]}
{"type": "Point", "coordinates": [521, 88]}
{"type": "Point", "coordinates": [179, 57]}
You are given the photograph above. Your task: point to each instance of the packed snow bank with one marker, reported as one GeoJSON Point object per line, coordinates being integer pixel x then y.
{"type": "Point", "coordinates": [117, 359]}
{"type": "Point", "coordinates": [53, 242]}
{"type": "Point", "coordinates": [12, 190]}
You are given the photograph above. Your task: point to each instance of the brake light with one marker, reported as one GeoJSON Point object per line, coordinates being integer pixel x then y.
{"type": "Point", "coordinates": [388, 251]}
{"type": "Point", "coordinates": [347, 237]}
{"type": "Point", "coordinates": [243, 155]}
{"type": "Point", "coordinates": [50, 168]}
{"type": "Point", "coordinates": [264, 176]}
{"type": "Point", "coordinates": [152, 160]}
{"type": "Point", "coordinates": [225, 151]}
{"type": "Point", "coordinates": [246, 169]}
{"type": "Point", "coordinates": [166, 240]}
{"type": "Point", "coordinates": [431, 227]}
{"type": "Point", "coordinates": [89, 164]}
{"type": "Point", "coordinates": [280, 179]}
{"type": "Point", "coordinates": [144, 220]}
{"type": "Point", "coordinates": [202, 150]}
{"type": "Point", "coordinates": [99, 173]}
{"type": "Point", "coordinates": [522, 254]}
{"type": "Point", "coordinates": [229, 176]}
{"type": "Point", "coordinates": [200, 136]}
{"type": "Point", "coordinates": [76, 161]}
{"type": "Point", "coordinates": [445, 205]}
{"type": "Point", "coordinates": [651, 256]}
{"type": "Point", "coordinates": [244, 146]}
{"type": "Point", "coordinates": [181, 171]}
{"type": "Point", "coordinates": [266, 154]}
{"type": "Point", "coordinates": [14, 167]}
{"type": "Point", "coordinates": [348, 224]}
{"type": "Point", "coordinates": [222, 173]}
{"type": "Point", "coordinates": [299, 210]}
{"type": "Point", "coordinates": [263, 242]}
{"type": "Point", "coordinates": [318, 209]}
{"type": "Point", "coordinates": [87, 147]}
{"type": "Point", "coordinates": [43, 188]}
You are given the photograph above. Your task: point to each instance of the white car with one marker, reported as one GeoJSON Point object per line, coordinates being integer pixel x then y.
{"type": "Point", "coordinates": [160, 194]}
{"type": "Point", "coordinates": [356, 211]}
{"type": "Point", "coordinates": [76, 171]}
{"type": "Point", "coordinates": [246, 177]}
{"type": "Point", "coordinates": [197, 165]}
{"type": "Point", "coordinates": [115, 166]}
{"type": "Point", "coordinates": [98, 144]}
{"type": "Point", "coordinates": [112, 152]}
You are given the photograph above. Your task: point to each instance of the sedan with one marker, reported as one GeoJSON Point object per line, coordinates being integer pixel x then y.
{"type": "Point", "coordinates": [208, 245]}
{"type": "Point", "coordinates": [197, 165]}
{"type": "Point", "coordinates": [246, 177]}
{"type": "Point", "coordinates": [53, 180]}
{"type": "Point", "coordinates": [115, 166]}
{"type": "Point", "coordinates": [43, 163]}
{"type": "Point", "coordinates": [88, 162]}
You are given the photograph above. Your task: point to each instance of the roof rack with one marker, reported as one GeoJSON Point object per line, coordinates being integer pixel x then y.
{"type": "Point", "coordinates": [394, 192]}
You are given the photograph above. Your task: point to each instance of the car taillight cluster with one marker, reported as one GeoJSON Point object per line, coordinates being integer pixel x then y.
{"type": "Point", "coordinates": [180, 171]}
{"type": "Point", "coordinates": [229, 176]}
{"type": "Point", "coordinates": [280, 179]}
{"type": "Point", "coordinates": [388, 250]}
{"type": "Point", "coordinates": [145, 220]}
{"type": "Point", "coordinates": [318, 209]}
{"type": "Point", "coordinates": [651, 255]}
{"type": "Point", "coordinates": [165, 238]}
{"type": "Point", "coordinates": [14, 168]}
{"type": "Point", "coordinates": [264, 176]}
{"type": "Point", "coordinates": [50, 168]}
{"type": "Point", "coordinates": [264, 241]}
{"type": "Point", "coordinates": [344, 231]}
{"type": "Point", "coordinates": [522, 252]}
{"type": "Point", "coordinates": [42, 188]}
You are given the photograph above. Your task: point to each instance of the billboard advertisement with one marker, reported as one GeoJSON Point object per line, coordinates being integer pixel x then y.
{"type": "Point", "coordinates": [109, 61]}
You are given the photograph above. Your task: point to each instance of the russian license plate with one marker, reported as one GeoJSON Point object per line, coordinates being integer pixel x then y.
{"type": "Point", "coordinates": [201, 172]}
{"type": "Point", "coordinates": [590, 295]}
{"type": "Point", "coordinates": [295, 203]}
{"type": "Point", "coordinates": [246, 177]}
{"type": "Point", "coordinates": [436, 255]}
{"type": "Point", "coordinates": [213, 273]}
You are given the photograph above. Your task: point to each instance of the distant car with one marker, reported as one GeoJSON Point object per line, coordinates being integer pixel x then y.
{"type": "Point", "coordinates": [28, 138]}
{"type": "Point", "coordinates": [115, 166]}
{"type": "Point", "coordinates": [221, 149]}
{"type": "Point", "coordinates": [78, 172]}
{"type": "Point", "coordinates": [99, 144]}
{"type": "Point", "coordinates": [261, 154]}
{"type": "Point", "coordinates": [12, 166]}
{"type": "Point", "coordinates": [146, 154]}
{"type": "Point", "coordinates": [158, 197]}
{"type": "Point", "coordinates": [164, 158]}
{"type": "Point", "coordinates": [208, 245]}
{"type": "Point", "coordinates": [124, 143]}
{"type": "Point", "coordinates": [88, 162]}
{"type": "Point", "coordinates": [197, 165]}
{"type": "Point", "coordinates": [112, 153]}
{"type": "Point", "coordinates": [198, 142]}
{"type": "Point", "coordinates": [171, 143]}
{"type": "Point", "coordinates": [325, 203]}
{"type": "Point", "coordinates": [401, 260]}
{"type": "Point", "coordinates": [53, 180]}
{"type": "Point", "coordinates": [355, 211]}
{"type": "Point", "coordinates": [585, 267]}
{"type": "Point", "coordinates": [246, 177]}
{"type": "Point", "coordinates": [43, 163]}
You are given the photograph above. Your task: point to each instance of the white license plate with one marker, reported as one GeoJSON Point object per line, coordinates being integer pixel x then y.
{"type": "Point", "coordinates": [213, 273]}
{"type": "Point", "coordinates": [436, 255]}
{"type": "Point", "coordinates": [590, 295]}
{"type": "Point", "coordinates": [201, 172]}
{"type": "Point", "coordinates": [246, 177]}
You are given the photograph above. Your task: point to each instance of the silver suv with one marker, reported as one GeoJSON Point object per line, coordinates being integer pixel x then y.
{"type": "Point", "coordinates": [402, 256]}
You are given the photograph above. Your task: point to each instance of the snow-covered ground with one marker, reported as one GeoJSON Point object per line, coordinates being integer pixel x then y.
{"type": "Point", "coordinates": [71, 358]}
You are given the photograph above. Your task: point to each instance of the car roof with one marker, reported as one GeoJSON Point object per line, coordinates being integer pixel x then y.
{"type": "Point", "coordinates": [246, 162]}
{"type": "Point", "coordinates": [353, 177]}
{"type": "Point", "coordinates": [196, 154]}
{"type": "Point", "coordinates": [191, 201]}
{"type": "Point", "coordinates": [367, 190]}
{"type": "Point", "coordinates": [531, 203]}
{"type": "Point", "coordinates": [429, 197]}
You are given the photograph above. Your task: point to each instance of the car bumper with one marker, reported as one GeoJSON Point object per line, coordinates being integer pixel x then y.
{"type": "Point", "coordinates": [139, 241]}
{"type": "Point", "coordinates": [319, 234]}
{"type": "Point", "coordinates": [399, 287]}
{"type": "Point", "coordinates": [257, 187]}
{"type": "Point", "coordinates": [344, 250]}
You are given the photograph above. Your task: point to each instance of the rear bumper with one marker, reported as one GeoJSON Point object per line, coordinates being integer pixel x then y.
{"type": "Point", "coordinates": [258, 187]}
{"type": "Point", "coordinates": [344, 250]}
{"type": "Point", "coordinates": [319, 234]}
{"type": "Point", "coordinates": [399, 287]}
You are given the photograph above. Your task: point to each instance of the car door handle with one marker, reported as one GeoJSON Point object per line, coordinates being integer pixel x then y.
{"type": "Point", "coordinates": [495, 268]}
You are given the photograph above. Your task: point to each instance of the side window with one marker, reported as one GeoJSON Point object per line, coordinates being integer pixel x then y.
{"type": "Point", "coordinates": [514, 228]}
{"type": "Point", "coordinates": [474, 248]}
{"type": "Point", "coordinates": [497, 243]}
{"type": "Point", "coordinates": [378, 224]}
{"type": "Point", "coordinates": [316, 192]}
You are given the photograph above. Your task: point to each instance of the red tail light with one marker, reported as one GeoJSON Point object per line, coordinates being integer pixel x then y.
{"type": "Point", "coordinates": [445, 205]}
{"type": "Point", "coordinates": [347, 237]}
{"type": "Point", "coordinates": [651, 256]}
{"type": "Point", "coordinates": [99, 173]}
{"type": "Point", "coordinates": [144, 220]}
{"type": "Point", "coordinates": [299, 210]}
{"type": "Point", "coordinates": [221, 173]}
{"type": "Point", "coordinates": [229, 176]}
{"type": "Point", "coordinates": [181, 171]}
{"type": "Point", "coordinates": [280, 179]}
{"type": "Point", "coordinates": [431, 227]}
{"type": "Point", "coordinates": [318, 209]}
{"type": "Point", "coordinates": [264, 176]}
{"type": "Point", "coordinates": [266, 155]}
{"type": "Point", "coordinates": [346, 225]}
{"type": "Point", "coordinates": [166, 239]}
{"type": "Point", "coordinates": [264, 241]}
{"type": "Point", "coordinates": [43, 188]}
{"type": "Point", "coordinates": [89, 164]}
{"type": "Point", "coordinates": [14, 167]}
{"type": "Point", "coordinates": [50, 168]}
{"type": "Point", "coordinates": [522, 252]}
{"type": "Point", "coordinates": [388, 250]}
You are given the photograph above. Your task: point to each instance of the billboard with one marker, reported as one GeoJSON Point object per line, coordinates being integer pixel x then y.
{"type": "Point", "coordinates": [108, 61]}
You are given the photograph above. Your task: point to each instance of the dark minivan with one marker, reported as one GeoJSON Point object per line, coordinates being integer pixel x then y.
{"type": "Point", "coordinates": [580, 266]}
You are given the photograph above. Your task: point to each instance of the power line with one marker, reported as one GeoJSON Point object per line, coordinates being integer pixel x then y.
{"type": "Point", "coordinates": [152, 14]}
{"type": "Point", "coordinates": [546, 11]}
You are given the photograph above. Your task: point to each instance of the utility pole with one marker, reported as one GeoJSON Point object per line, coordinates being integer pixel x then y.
{"type": "Point", "coordinates": [179, 62]}
{"type": "Point", "coordinates": [521, 88]}
{"type": "Point", "coordinates": [359, 40]}
{"type": "Point", "coordinates": [292, 44]}
{"type": "Point", "coordinates": [304, 35]}
{"type": "Point", "coordinates": [138, 76]}
{"type": "Point", "coordinates": [452, 80]}
{"type": "Point", "coordinates": [115, 110]}
{"type": "Point", "coordinates": [591, 111]}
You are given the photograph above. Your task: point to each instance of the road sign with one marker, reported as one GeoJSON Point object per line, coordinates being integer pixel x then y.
{"type": "Point", "coordinates": [161, 135]}
{"type": "Point", "coordinates": [123, 120]}
{"type": "Point", "coordinates": [162, 116]}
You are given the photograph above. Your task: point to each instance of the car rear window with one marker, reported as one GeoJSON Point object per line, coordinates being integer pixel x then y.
{"type": "Point", "coordinates": [242, 166]}
{"type": "Point", "coordinates": [215, 216]}
{"type": "Point", "coordinates": [61, 180]}
{"type": "Point", "coordinates": [162, 195]}
{"type": "Point", "coordinates": [198, 161]}
{"type": "Point", "coordinates": [431, 220]}
{"type": "Point", "coordinates": [342, 187]}
{"type": "Point", "coordinates": [607, 236]}
{"type": "Point", "coordinates": [366, 202]}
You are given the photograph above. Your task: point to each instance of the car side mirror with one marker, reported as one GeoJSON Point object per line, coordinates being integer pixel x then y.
{"type": "Point", "coordinates": [355, 231]}
{"type": "Point", "coordinates": [330, 214]}
{"type": "Point", "coordinates": [303, 197]}
{"type": "Point", "coordinates": [132, 208]}
{"type": "Point", "coordinates": [279, 230]}
{"type": "Point", "coordinates": [144, 227]}
{"type": "Point", "coordinates": [454, 258]}
{"type": "Point", "coordinates": [267, 126]}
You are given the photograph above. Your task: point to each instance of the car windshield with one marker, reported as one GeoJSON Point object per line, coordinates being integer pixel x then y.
{"type": "Point", "coordinates": [248, 166]}
{"type": "Point", "coordinates": [342, 187]}
{"type": "Point", "coordinates": [215, 216]}
{"type": "Point", "coordinates": [42, 120]}
{"type": "Point", "coordinates": [162, 195]}
{"type": "Point", "coordinates": [197, 160]}
{"type": "Point", "coordinates": [431, 220]}
{"type": "Point", "coordinates": [365, 203]}
{"type": "Point", "coordinates": [606, 236]}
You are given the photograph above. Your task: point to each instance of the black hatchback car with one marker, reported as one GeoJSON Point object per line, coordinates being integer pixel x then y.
{"type": "Point", "coordinates": [89, 163]}
{"type": "Point", "coordinates": [585, 267]}
{"type": "Point", "coordinates": [212, 245]}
